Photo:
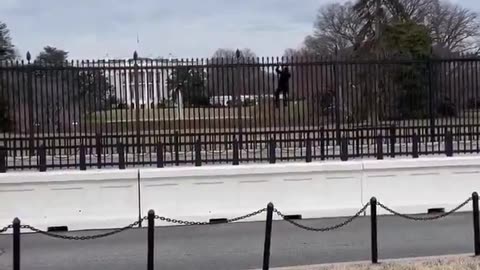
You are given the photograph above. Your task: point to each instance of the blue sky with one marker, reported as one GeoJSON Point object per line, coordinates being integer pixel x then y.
{"type": "Point", "coordinates": [184, 28]}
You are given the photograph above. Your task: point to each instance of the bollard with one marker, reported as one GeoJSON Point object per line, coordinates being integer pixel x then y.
{"type": "Point", "coordinates": [268, 237]}
{"type": "Point", "coordinates": [379, 147]}
{"type": "Point", "coordinates": [3, 160]}
{"type": "Point", "coordinates": [121, 156]}
{"type": "Point", "coordinates": [476, 228]}
{"type": "Point", "coordinates": [16, 244]}
{"type": "Point", "coordinates": [160, 163]}
{"type": "Point", "coordinates": [448, 144]}
{"type": "Point", "coordinates": [150, 239]}
{"type": "Point", "coordinates": [83, 162]}
{"type": "Point", "coordinates": [272, 155]}
{"type": "Point", "coordinates": [176, 148]}
{"type": "Point", "coordinates": [308, 151]}
{"type": "Point", "coordinates": [98, 145]}
{"type": "Point", "coordinates": [322, 144]}
{"type": "Point", "coordinates": [236, 160]}
{"type": "Point", "coordinates": [393, 138]}
{"type": "Point", "coordinates": [42, 152]}
{"type": "Point", "coordinates": [198, 153]}
{"type": "Point", "coordinates": [373, 223]}
{"type": "Point", "coordinates": [343, 149]}
{"type": "Point", "coordinates": [415, 145]}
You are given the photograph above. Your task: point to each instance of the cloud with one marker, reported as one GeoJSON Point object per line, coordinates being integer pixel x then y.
{"type": "Point", "coordinates": [185, 28]}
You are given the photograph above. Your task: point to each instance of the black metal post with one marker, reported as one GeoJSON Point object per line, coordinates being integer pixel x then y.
{"type": "Point", "coordinates": [150, 239]}
{"type": "Point", "coordinates": [236, 160]}
{"type": "Point", "coordinates": [3, 160]}
{"type": "Point", "coordinates": [322, 144]}
{"type": "Point", "coordinates": [393, 139]}
{"type": "Point", "coordinates": [415, 145]}
{"type": "Point", "coordinates": [98, 145]}
{"type": "Point", "coordinates": [449, 144]}
{"type": "Point", "coordinates": [198, 153]}
{"type": "Point", "coordinates": [42, 152]}
{"type": "Point", "coordinates": [176, 148]}
{"type": "Point", "coordinates": [16, 244]}
{"type": "Point", "coordinates": [476, 228]}
{"type": "Point", "coordinates": [121, 156]}
{"type": "Point", "coordinates": [344, 149]}
{"type": "Point", "coordinates": [379, 147]}
{"type": "Point", "coordinates": [373, 222]}
{"type": "Point", "coordinates": [268, 237]}
{"type": "Point", "coordinates": [83, 162]}
{"type": "Point", "coordinates": [272, 147]}
{"type": "Point", "coordinates": [160, 162]}
{"type": "Point", "coordinates": [308, 151]}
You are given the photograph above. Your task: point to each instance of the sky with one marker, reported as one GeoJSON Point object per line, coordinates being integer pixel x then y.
{"type": "Point", "coordinates": [92, 29]}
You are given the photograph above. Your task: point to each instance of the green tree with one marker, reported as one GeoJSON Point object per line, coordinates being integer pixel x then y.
{"type": "Point", "coordinates": [409, 41]}
{"type": "Point", "coordinates": [52, 56]}
{"type": "Point", "coordinates": [7, 49]}
{"type": "Point", "coordinates": [191, 83]}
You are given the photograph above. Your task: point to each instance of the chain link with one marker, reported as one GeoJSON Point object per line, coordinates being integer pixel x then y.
{"type": "Point", "coordinates": [86, 237]}
{"type": "Point", "coordinates": [193, 223]}
{"type": "Point", "coordinates": [325, 229]}
{"type": "Point", "coordinates": [428, 218]}
{"type": "Point", "coordinates": [4, 229]}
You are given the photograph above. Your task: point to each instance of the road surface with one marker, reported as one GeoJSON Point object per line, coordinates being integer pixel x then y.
{"type": "Point", "coordinates": [240, 246]}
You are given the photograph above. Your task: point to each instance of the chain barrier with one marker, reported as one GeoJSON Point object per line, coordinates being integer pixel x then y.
{"type": "Point", "coordinates": [86, 237]}
{"type": "Point", "coordinates": [194, 223]}
{"type": "Point", "coordinates": [325, 229]}
{"type": "Point", "coordinates": [4, 229]}
{"type": "Point", "coordinates": [417, 218]}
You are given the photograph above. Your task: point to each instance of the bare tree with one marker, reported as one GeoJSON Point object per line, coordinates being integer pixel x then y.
{"type": "Point", "coordinates": [453, 27]}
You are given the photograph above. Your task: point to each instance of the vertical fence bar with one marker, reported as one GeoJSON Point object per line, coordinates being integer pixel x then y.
{"type": "Point", "coordinates": [373, 223]}
{"type": "Point", "coordinates": [176, 148]}
{"type": "Point", "coordinates": [272, 150]}
{"type": "Point", "coordinates": [42, 152]}
{"type": "Point", "coordinates": [308, 151]}
{"type": "Point", "coordinates": [82, 161]}
{"type": "Point", "coordinates": [16, 244]}
{"type": "Point", "coordinates": [3, 160]}
{"type": "Point", "coordinates": [415, 145]}
{"type": "Point", "coordinates": [150, 239]}
{"type": "Point", "coordinates": [236, 160]}
{"type": "Point", "coordinates": [448, 144]}
{"type": "Point", "coordinates": [160, 163]}
{"type": "Point", "coordinates": [268, 237]}
{"type": "Point", "coordinates": [344, 149]}
{"type": "Point", "coordinates": [98, 149]}
{"type": "Point", "coordinates": [393, 139]}
{"type": "Point", "coordinates": [476, 228]}
{"type": "Point", "coordinates": [121, 156]}
{"type": "Point", "coordinates": [322, 144]}
{"type": "Point", "coordinates": [198, 153]}
{"type": "Point", "coordinates": [379, 147]}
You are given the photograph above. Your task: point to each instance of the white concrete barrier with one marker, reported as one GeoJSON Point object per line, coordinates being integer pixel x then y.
{"type": "Point", "coordinates": [80, 200]}
{"type": "Point", "coordinates": [414, 186]}
{"type": "Point", "coordinates": [204, 193]}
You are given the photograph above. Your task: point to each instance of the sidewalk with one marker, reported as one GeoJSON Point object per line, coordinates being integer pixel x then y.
{"type": "Point", "coordinates": [451, 262]}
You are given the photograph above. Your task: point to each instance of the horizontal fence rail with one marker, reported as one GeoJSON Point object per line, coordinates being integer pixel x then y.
{"type": "Point", "coordinates": [158, 112]}
{"type": "Point", "coordinates": [270, 210]}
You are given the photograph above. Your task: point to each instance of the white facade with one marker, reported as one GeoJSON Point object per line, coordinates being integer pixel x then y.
{"type": "Point", "coordinates": [142, 82]}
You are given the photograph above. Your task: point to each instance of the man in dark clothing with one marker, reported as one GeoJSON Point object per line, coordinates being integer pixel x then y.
{"type": "Point", "coordinates": [283, 86]}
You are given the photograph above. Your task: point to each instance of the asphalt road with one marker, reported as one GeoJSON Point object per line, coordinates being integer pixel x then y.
{"type": "Point", "coordinates": [240, 246]}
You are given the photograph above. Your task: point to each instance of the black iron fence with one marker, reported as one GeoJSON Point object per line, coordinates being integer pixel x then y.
{"type": "Point", "coordinates": [270, 210]}
{"type": "Point", "coordinates": [218, 109]}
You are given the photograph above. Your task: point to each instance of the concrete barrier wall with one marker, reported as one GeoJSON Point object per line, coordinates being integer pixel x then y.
{"type": "Point", "coordinates": [113, 198]}
{"type": "Point", "coordinates": [200, 194]}
{"type": "Point", "coordinates": [416, 185]}
{"type": "Point", "coordinates": [79, 200]}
